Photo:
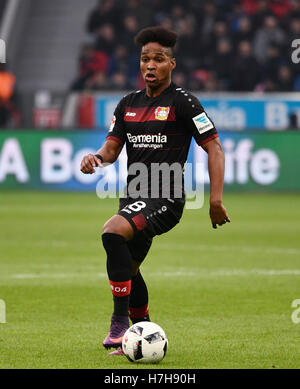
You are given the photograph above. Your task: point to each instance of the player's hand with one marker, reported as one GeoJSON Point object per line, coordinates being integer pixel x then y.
{"type": "Point", "coordinates": [89, 162]}
{"type": "Point", "coordinates": [218, 214]}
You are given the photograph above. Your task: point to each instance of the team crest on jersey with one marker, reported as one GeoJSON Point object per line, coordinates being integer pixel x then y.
{"type": "Point", "coordinates": [162, 113]}
{"type": "Point", "coordinates": [112, 124]}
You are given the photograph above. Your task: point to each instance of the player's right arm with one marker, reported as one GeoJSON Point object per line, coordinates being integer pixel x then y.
{"type": "Point", "coordinates": [109, 153]}
{"type": "Point", "coordinates": [113, 145]}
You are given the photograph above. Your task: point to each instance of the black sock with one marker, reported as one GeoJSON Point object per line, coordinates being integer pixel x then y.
{"type": "Point", "coordinates": [138, 303]}
{"type": "Point", "coordinates": [119, 268]}
{"type": "Point", "coordinates": [121, 305]}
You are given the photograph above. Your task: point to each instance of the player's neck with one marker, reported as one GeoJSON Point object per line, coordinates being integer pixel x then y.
{"type": "Point", "coordinates": [156, 91]}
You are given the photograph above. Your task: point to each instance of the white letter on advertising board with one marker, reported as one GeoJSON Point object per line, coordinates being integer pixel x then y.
{"type": "Point", "coordinates": [12, 161]}
{"type": "Point", "coordinates": [56, 164]}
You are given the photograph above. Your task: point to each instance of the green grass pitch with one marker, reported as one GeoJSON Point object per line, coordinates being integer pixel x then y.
{"type": "Point", "coordinates": [223, 296]}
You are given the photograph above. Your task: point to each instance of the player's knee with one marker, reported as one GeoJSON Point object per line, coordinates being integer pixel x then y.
{"type": "Point", "coordinates": [119, 226]}
{"type": "Point", "coordinates": [111, 230]}
{"type": "Point", "coordinates": [108, 228]}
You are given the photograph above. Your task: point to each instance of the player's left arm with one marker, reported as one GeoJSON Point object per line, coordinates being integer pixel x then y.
{"type": "Point", "coordinates": [216, 167]}
{"type": "Point", "coordinates": [196, 122]}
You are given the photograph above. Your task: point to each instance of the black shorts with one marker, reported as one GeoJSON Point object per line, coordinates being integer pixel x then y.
{"type": "Point", "coordinates": [149, 217]}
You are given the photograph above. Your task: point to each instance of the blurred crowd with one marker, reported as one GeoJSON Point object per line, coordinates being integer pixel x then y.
{"type": "Point", "coordinates": [223, 45]}
{"type": "Point", "coordinates": [9, 114]}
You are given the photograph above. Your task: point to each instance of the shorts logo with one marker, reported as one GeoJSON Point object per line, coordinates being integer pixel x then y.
{"type": "Point", "coordinates": [112, 124]}
{"type": "Point", "coordinates": [131, 114]}
{"type": "Point", "coordinates": [162, 113]}
{"type": "Point", "coordinates": [203, 123]}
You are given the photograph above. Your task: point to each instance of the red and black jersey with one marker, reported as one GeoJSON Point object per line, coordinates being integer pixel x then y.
{"type": "Point", "coordinates": [159, 129]}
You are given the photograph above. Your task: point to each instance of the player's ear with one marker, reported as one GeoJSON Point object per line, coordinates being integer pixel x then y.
{"type": "Point", "coordinates": [173, 63]}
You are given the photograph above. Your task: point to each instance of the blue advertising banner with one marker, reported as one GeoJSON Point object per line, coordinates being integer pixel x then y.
{"type": "Point", "coordinates": [230, 111]}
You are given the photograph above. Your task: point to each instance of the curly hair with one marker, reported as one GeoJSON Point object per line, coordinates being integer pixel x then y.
{"type": "Point", "coordinates": [161, 35]}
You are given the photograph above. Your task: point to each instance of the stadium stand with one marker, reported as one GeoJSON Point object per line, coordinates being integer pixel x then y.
{"type": "Point", "coordinates": [223, 45]}
{"type": "Point", "coordinates": [57, 50]}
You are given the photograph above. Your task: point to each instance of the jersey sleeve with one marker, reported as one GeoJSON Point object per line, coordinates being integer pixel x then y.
{"type": "Point", "coordinates": [195, 119]}
{"type": "Point", "coordinates": [116, 130]}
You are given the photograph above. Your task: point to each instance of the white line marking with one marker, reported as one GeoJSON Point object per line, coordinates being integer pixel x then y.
{"type": "Point", "coordinates": [204, 273]}
{"type": "Point", "coordinates": [198, 247]}
{"type": "Point", "coordinates": [55, 275]}
{"type": "Point", "coordinates": [229, 273]}
{"type": "Point", "coordinates": [161, 246]}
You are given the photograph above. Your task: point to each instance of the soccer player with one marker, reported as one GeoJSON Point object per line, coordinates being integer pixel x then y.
{"type": "Point", "coordinates": [157, 125]}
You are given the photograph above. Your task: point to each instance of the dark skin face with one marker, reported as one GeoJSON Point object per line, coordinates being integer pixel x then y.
{"type": "Point", "coordinates": [156, 64]}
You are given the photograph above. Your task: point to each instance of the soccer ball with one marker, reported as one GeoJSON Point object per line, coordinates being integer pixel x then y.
{"type": "Point", "coordinates": [145, 342]}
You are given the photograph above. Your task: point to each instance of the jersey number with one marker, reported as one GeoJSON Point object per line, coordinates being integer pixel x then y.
{"type": "Point", "coordinates": [135, 207]}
